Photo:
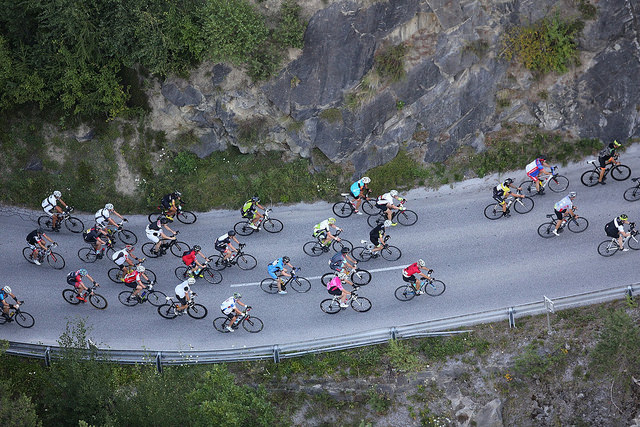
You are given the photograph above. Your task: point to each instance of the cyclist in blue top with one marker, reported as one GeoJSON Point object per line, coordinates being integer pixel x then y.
{"type": "Point", "coordinates": [563, 208]}
{"type": "Point", "coordinates": [4, 293]}
{"type": "Point", "coordinates": [341, 260]}
{"type": "Point", "coordinates": [359, 191]}
{"type": "Point", "coordinates": [276, 271]}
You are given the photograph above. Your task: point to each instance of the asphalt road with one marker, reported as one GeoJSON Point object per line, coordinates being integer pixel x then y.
{"type": "Point", "coordinates": [485, 264]}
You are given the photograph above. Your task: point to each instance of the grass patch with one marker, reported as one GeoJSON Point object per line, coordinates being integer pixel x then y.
{"type": "Point", "coordinates": [536, 361]}
{"type": "Point", "coordinates": [617, 349]}
{"type": "Point", "coordinates": [402, 357]}
{"type": "Point", "coordinates": [587, 10]}
{"type": "Point", "coordinates": [440, 348]}
{"type": "Point", "coordinates": [389, 63]}
{"type": "Point", "coordinates": [331, 115]}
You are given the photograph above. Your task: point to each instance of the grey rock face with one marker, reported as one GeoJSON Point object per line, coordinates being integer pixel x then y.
{"type": "Point", "coordinates": [181, 97]}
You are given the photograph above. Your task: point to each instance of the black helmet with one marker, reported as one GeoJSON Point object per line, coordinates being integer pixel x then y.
{"type": "Point", "coordinates": [286, 259]}
{"type": "Point", "coordinates": [231, 233]}
{"type": "Point", "coordinates": [196, 248]}
{"type": "Point", "coordinates": [344, 250]}
{"type": "Point", "coordinates": [177, 193]}
{"type": "Point", "coordinates": [508, 181]}
{"type": "Point", "coordinates": [542, 156]}
{"type": "Point", "coordinates": [40, 230]}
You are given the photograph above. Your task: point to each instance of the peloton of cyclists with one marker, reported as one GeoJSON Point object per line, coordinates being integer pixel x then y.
{"type": "Point", "coordinates": [250, 211]}
{"type": "Point", "coordinates": [535, 169]}
{"type": "Point", "coordinates": [322, 233]}
{"type": "Point", "coordinates": [502, 191]}
{"type": "Point", "coordinates": [229, 308]}
{"type": "Point", "coordinates": [385, 204]}
{"type": "Point", "coordinates": [35, 239]}
{"type": "Point", "coordinates": [607, 155]}
{"type": "Point", "coordinates": [276, 270]}
{"type": "Point", "coordinates": [224, 246]}
{"type": "Point", "coordinates": [51, 208]}
{"type": "Point", "coordinates": [409, 275]}
{"type": "Point", "coordinates": [563, 208]}
{"type": "Point", "coordinates": [615, 229]}
{"type": "Point", "coordinates": [359, 191]}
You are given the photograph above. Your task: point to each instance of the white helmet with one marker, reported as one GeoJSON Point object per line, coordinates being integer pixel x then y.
{"type": "Point", "coordinates": [421, 262]}
{"type": "Point", "coordinates": [140, 269]}
{"type": "Point", "coordinates": [387, 223]}
{"type": "Point", "coordinates": [57, 194]}
{"type": "Point", "coordinates": [108, 206]}
{"type": "Point", "coordinates": [366, 179]}
{"type": "Point", "coordinates": [393, 193]}
{"type": "Point", "coordinates": [191, 280]}
{"type": "Point", "coordinates": [7, 289]}
{"type": "Point", "coordinates": [572, 194]}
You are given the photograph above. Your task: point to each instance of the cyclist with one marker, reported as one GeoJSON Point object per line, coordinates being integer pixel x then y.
{"type": "Point", "coordinates": [224, 246]}
{"type": "Point", "coordinates": [341, 260]}
{"type": "Point", "coordinates": [50, 204]}
{"type": "Point", "coordinates": [502, 191]}
{"type": "Point", "coordinates": [36, 242]}
{"type": "Point", "coordinates": [103, 217]}
{"type": "Point", "coordinates": [322, 233]}
{"type": "Point", "coordinates": [377, 236]}
{"type": "Point", "coordinates": [607, 155]}
{"type": "Point", "coordinates": [536, 168]}
{"type": "Point", "coordinates": [276, 271]}
{"type": "Point", "coordinates": [132, 280]}
{"type": "Point", "coordinates": [409, 275]}
{"type": "Point", "coordinates": [96, 236]}
{"type": "Point", "coordinates": [250, 211]}
{"type": "Point", "coordinates": [190, 259]}
{"type": "Point", "coordinates": [359, 191]}
{"type": "Point", "coordinates": [615, 229]}
{"type": "Point", "coordinates": [171, 203]}
{"type": "Point", "coordinates": [155, 233]}
{"type": "Point", "coordinates": [563, 208]}
{"type": "Point", "coordinates": [75, 279]}
{"type": "Point", "coordinates": [229, 308]}
{"type": "Point", "coordinates": [122, 258]}
{"type": "Point", "coordinates": [4, 293]}
{"type": "Point", "coordinates": [334, 287]}
{"type": "Point", "coordinates": [385, 204]}
{"type": "Point", "coordinates": [183, 294]}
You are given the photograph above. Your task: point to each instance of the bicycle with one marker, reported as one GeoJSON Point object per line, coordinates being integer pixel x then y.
{"type": "Point", "coordinates": [346, 208]}
{"type": "Point", "coordinates": [154, 297]}
{"type": "Point", "coordinates": [209, 274]}
{"type": "Point", "coordinates": [73, 224]}
{"type": "Point", "coordinates": [358, 303]}
{"type": "Point", "coordinates": [116, 274]}
{"type": "Point", "coordinates": [610, 247]}
{"type": "Point", "coordinates": [243, 260]}
{"type": "Point", "coordinates": [22, 318]}
{"type": "Point", "coordinates": [88, 253]}
{"type": "Point", "coordinates": [618, 172]}
{"type": "Point", "coordinates": [556, 182]}
{"type": "Point", "coordinates": [176, 247]}
{"type": "Point", "coordinates": [431, 287]}
{"type": "Point", "coordinates": [632, 194]}
{"type": "Point", "coordinates": [404, 217]}
{"type": "Point", "coordinates": [127, 237]}
{"type": "Point", "coordinates": [317, 248]}
{"type": "Point", "coordinates": [298, 283]}
{"type": "Point", "coordinates": [54, 259]}
{"type": "Point", "coordinates": [270, 225]}
{"type": "Point", "coordinates": [358, 276]}
{"type": "Point", "coordinates": [365, 253]}
{"type": "Point", "coordinates": [195, 311]}
{"type": "Point", "coordinates": [520, 205]}
{"type": "Point", "coordinates": [185, 217]}
{"type": "Point", "coordinates": [250, 323]}
{"type": "Point", "coordinates": [96, 300]}
{"type": "Point", "coordinates": [575, 225]}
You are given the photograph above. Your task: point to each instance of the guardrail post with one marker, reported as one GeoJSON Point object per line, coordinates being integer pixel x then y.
{"type": "Point", "coordinates": [47, 357]}
{"type": "Point", "coordinates": [276, 354]}
{"type": "Point", "coordinates": [512, 319]}
{"type": "Point", "coordinates": [159, 362]}
{"type": "Point", "coordinates": [394, 333]}
{"type": "Point", "coordinates": [630, 292]}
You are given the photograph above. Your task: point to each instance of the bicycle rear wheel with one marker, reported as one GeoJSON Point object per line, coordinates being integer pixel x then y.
{"type": "Point", "coordinates": [197, 311]}
{"type": "Point", "coordinates": [607, 248]}
{"type": "Point", "coordinates": [620, 172]}
{"type": "Point", "coordinates": [300, 284]}
{"type": "Point", "coordinates": [252, 324]}
{"type": "Point", "coordinates": [146, 250]}
{"type": "Point", "coordinates": [98, 301]}
{"type": "Point", "coordinates": [524, 205]}
{"type": "Point", "coordinates": [127, 298]}
{"type": "Point", "coordinates": [391, 253]}
{"type": "Point", "coordinates": [369, 208]}
{"type": "Point", "coordinates": [69, 295]}
{"type": "Point", "coordinates": [546, 230]}
{"type": "Point", "coordinates": [55, 260]}
{"type": "Point", "coordinates": [313, 248]}
{"type": "Point", "coordinates": [181, 273]}
{"type": "Point", "coordinates": [127, 237]}
{"type": "Point", "coordinates": [150, 275]}
{"type": "Point", "coordinates": [632, 194]}
{"type": "Point", "coordinates": [211, 276]}
{"type": "Point", "coordinates": [578, 225]}
{"type": "Point", "coordinates": [26, 253]}
{"type": "Point", "coordinates": [374, 220]}
{"type": "Point", "coordinates": [326, 278]}
{"type": "Point", "coordinates": [342, 209]}
{"type": "Point", "coordinates": [242, 228]}
{"type": "Point", "coordinates": [330, 306]}
{"type": "Point", "coordinates": [73, 224]}
{"type": "Point", "coordinates": [407, 217]}
{"type": "Point", "coordinates": [529, 188]}
{"type": "Point", "coordinates": [360, 277]}
{"type": "Point", "coordinates": [186, 217]}
{"type": "Point", "coordinates": [24, 319]}
{"type": "Point", "coordinates": [493, 211]}
{"type": "Point", "coordinates": [166, 311]}
{"type": "Point", "coordinates": [178, 248]}
{"type": "Point", "coordinates": [590, 178]}
{"type": "Point", "coordinates": [272, 225]}
{"type": "Point", "coordinates": [361, 304]}
{"type": "Point", "coordinates": [45, 222]}
{"type": "Point", "coordinates": [405, 293]}
{"type": "Point", "coordinates": [558, 183]}
{"type": "Point", "coordinates": [246, 262]}
{"type": "Point", "coordinates": [217, 263]}
{"type": "Point", "coordinates": [220, 324]}
{"type": "Point", "coordinates": [115, 274]}
{"type": "Point", "coordinates": [87, 255]}
{"type": "Point", "coordinates": [269, 285]}
{"type": "Point", "coordinates": [434, 288]}
{"type": "Point", "coordinates": [343, 243]}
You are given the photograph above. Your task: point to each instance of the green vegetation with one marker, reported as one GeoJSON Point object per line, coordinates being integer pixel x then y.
{"type": "Point", "coordinates": [617, 349]}
{"type": "Point", "coordinates": [588, 10]}
{"type": "Point", "coordinates": [389, 63]}
{"type": "Point", "coordinates": [331, 115]}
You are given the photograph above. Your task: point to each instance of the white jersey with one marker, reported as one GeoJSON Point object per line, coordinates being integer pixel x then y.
{"type": "Point", "coordinates": [49, 203]}
{"type": "Point", "coordinates": [531, 166]}
{"type": "Point", "coordinates": [120, 256]}
{"type": "Point", "coordinates": [228, 304]}
{"type": "Point", "coordinates": [180, 289]}
{"type": "Point", "coordinates": [385, 199]}
{"type": "Point", "coordinates": [564, 203]}
{"type": "Point", "coordinates": [102, 216]}
{"type": "Point", "coordinates": [324, 225]}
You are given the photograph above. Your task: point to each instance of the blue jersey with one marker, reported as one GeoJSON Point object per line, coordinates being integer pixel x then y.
{"type": "Point", "coordinates": [356, 186]}
{"type": "Point", "coordinates": [276, 265]}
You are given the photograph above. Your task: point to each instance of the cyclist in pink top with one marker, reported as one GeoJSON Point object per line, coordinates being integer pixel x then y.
{"type": "Point", "coordinates": [334, 287]}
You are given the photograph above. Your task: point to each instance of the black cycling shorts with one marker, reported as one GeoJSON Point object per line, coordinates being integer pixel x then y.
{"type": "Point", "coordinates": [411, 279]}
{"type": "Point", "coordinates": [611, 231]}
{"type": "Point", "coordinates": [181, 300]}
{"type": "Point", "coordinates": [335, 291]}
{"type": "Point", "coordinates": [603, 161]}
{"type": "Point", "coordinates": [559, 214]}
{"type": "Point", "coordinates": [381, 207]}
{"type": "Point", "coordinates": [375, 240]}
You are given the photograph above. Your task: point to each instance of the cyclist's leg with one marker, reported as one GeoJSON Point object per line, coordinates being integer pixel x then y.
{"type": "Point", "coordinates": [559, 215]}
{"type": "Point", "coordinates": [603, 167]}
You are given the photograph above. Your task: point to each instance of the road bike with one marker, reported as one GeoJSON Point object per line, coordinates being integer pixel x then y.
{"type": "Point", "coordinates": [249, 323]}
{"type": "Point", "coordinates": [317, 247]}
{"type": "Point", "coordinates": [196, 311]}
{"type": "Point", "coordinates": [346, 207]}
{"type": "Point", "coordinates": [632, 194]}
{"type": "Point", "coordinates": [176, 247]}
{"type": "Point", "coordinates": [243, 260]}
{"type": "Point", "coordinates": [618, 172]}
{"type": "Point", "coordinates": [185, 217]}
{"type": "Point", "coordinates": [556, 183]}
{"type": "Point", "coordinates": [401, 216]}
{"type": "Point", "coordinates": [127, 237]}
{"type": "Point", "coordinates": [358, 276]}
{"type": "Point", "coordinates": [89, 254]}
{"type": "Point", "coordinates": [365, 253]}
{"type": "Point", "coordinates": [358, 303]}
{"type": "Point", "coordinates": [575, 225]}
{"type": "Point", "coordinates": [22, 318]}
{"type": "Point", "coordinates": [520, 205]}
{"type": "Point", "coordinates": [207, 273]}
{"type": "Point", "coordinates": [430, 286]}
{"type": "Point", "coordinates": [73, 224]}
{"type": "Point", "coordinates": [297, 283]}
{"type": "Point", "coordinates": [610, 247]}
{"type": "Point", "coordinates": [270, 225]}
{"type": "Point", "coordinates": [96, 300]}
{"type": "Point", "coordinates": [54, 259]}
{"type": "Point", "coordinates": [155, 298]}
{"type": "Point", "coordinates": [116, 274]}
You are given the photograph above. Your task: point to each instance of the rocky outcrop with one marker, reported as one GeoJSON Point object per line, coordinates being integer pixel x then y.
{"type": "Point", "coordinates": [447, 99]}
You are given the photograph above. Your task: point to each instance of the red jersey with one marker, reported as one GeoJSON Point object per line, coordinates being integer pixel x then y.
{"type": "Point", "coordinates": [189, 258]}
{"type": "Point", "coordinates": [132, 277]}
{"type": "Point", "coordinates": [411, 270]}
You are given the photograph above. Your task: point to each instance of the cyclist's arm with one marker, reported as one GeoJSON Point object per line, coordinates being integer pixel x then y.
{"type": "Point", "coordinates": [62, 203]}
{"type": "Point", "coordinates": [119, 216]}
{"type": "Point", "coordinates": [235, 239]}
{"type": "Point", "coordinates": [46, 237]}
{"type": "Point", "coordinates": [112, 222]}
{"type": "Point", "coordinates": [231, 247]}
{"type": "Point", "coordinates": [92, 279]}
{"type": "Point", "coordinates": [260, 206]}
{"type": "Point", "coordinates": [168, 228]}
{"type": "Point", "coordinates": [239, 303]}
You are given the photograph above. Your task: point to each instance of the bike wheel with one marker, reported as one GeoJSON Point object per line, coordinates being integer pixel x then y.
{"type": "Point", "coordinates": [246, 262]}
{"type": "Point", "coordinates": [407, 217]}
{"type": "Point", "coordinates": [26, 253]}
{"type": "Point", "coordinates": [300, 284]}
{"type": "Point", "coordinates": [632, 194]}
{"type": "Point", "coordinates": [620, 172]}
{"type": "Point", "coordinates": [153, 217]}
{"type": "Point", "coordinates": [607, 248]}
{"type": "Point", "coordinates": [55, 260]}
{"type": "Point", "coordinates": [166, 311]}
{"type": "Point", "coordinates": [343, 243]}
{"type": "Point", "coordinates": [434, 288]}
{"type": "Point", "coordinates": [98, 301]}
{"type": "Point", "coordinates": [391, 253]}
{"type": "Point", "coordinates": [330, 306]}
{"type": "Point", "coordinates": [360, 277]}
{"type": "Point", "coordinates": [146, 250]}
{"type": "Point", "coordinates": [181, 273]}
{"type": "Point", "coordinates": [529, 188]}
{"type": "Point", "coordinates": [197, 311]}
{"type": "Point", "coordinates": [252, 324]}
{"type": "Point", "coordinates": [361, 304]}
{"type": "Point", "coordinates": [546, 230]}
{"type": "Point", "coordinates": [178, 248]}
{"type": "Point", "coordinates": [360, 253]}
{"type": "Point", "coordinates": [220, 324]}
{"type": "Point", "coordinates": [342, 209]}
{"type": "Point", "coordinates": [45, 222]}
{"type": "Point", "coordinates": [156, 298]}
{"type": "Point", "coordinates": [87, 255]}
{"type": "Point", "coordinates": [273, 225]}
{"type": "Point", "coordinates": [523, 206]}
{"type": "Point", "coordinates": [634, 243]}
{"type": "Point", "coordinates": [217, 263]}
{"type": "Point", "coordinates": [269, 285]}
{"type": "Point", "coordinates": [369, 208]}
{"type": "Point", "coordinates": [73, 224]}
{"type": "Point", "coordinates": [127, 298]}
{"type": "Point", "coordinates": [590, 178]}
{"type": "Point", "coordinates": [150, 275]}
{"type": "Point", "coordinates": [186, 217]}
{"type": "Point", "coordinates": [493, 211]}
{"type": "Point", "coordinates": [313, 248]}
{"type": "Point", "coordinates": [24, 319]}
{"type": "Point", "coordinates": [374, 220]}
{"type": "Point", "coordinates": [69, 296]}
{"type": "Point", "coordinates": [242, 228]}
{"type": "Point", "coordinates": [115, 274]}
{"type": "Point", "coordinates": [211, 276]}
{"type": "Point", "coordinates": [405, 293]}
{"type": "Point", "coordinates": [127, 237]}
{"type": "Point", "coordinates": [578, 225]}
{"type": "Point", "coordinates": [326, 278]}
{"type": "Point", "coordinates": [558, 183]}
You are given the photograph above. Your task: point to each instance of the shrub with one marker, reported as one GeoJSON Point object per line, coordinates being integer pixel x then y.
{"type": "Point", "coordinates": [389, 63]}
{"type": "Point", "coordinates": [618, 347]}
{"type": "Point", "coordinates": [291, 28]}
{"type": "Point", "coordinates": [331, 115]}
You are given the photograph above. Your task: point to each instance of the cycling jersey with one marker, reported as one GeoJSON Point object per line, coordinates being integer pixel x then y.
{"type": "Point", "coordinates": [168, 201]}
{"type": "Point", "coordinates": [277, 264]}
{"type": "Point", "coordinates": [322, 226]}
{"type": "Point", "coordinates": [33, 238]}
{"type": "Point", "coordinates": [91, 236]}
{"type": "Point", "coordinates": [356, 187]}
{"type": "Point", "coordinates": [228, 305]}
{"type": "Point", "coordinates": [248, 207]}
{"type": "Point", "coordinates": [411, 270]}
{"type": "Point", "coordinates": [223, 240]}
{"type": "Point", "coordinates": [376, 233]}
{"type": "Point", "coordinates": [535, 166]}
{"type": "Point", "coordinates": [337, 262]}
{"type": "Point", "coordinates": [563, 204]}
{"type": "Point", "coordinates": [49, 203]}
{"type": "Point", "coordinates": [102, 216]}
{"type": "Point", "coordinates": [120, 257]}
{"type": "Point", "coordinates": [385, 199]}
{"type": "Point", "coordinates": [335, 283]}
{"type": "Point", "coordinates": [189, 258]}
{"type": "Point", "coordinates": [3, 295]}
{"type": "Point", "coordinates": [132, 276]}
{"type": "Point", "coordinates": [180, 292]}
{"type": "Point", "coordinates": [502, 190]}
{"type": "Point", "coordinates": [74, 278]}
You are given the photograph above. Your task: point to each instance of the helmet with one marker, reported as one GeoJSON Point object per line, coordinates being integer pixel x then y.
{"type": "Point", "coordinates": [7, 289]}
{"type": "Point", "coordinates": [237, 295]}
{"type": "Point", "coordinates": [255, 198]}
{"type": "Point", "coordinates": [421, 262]}
{"type": "Point", "coordinates": [82, 272]}
{"type": "Point", "coordinates": [191, 280]}
{"type": "Point", "coordinates": [164, 220]}
{"type": "Point", "coordinates": [108, 206]}
{"type": "Point", "coordinates": [387, 223]}
{"type": "Point", "coordinates": [129, 248]}
{"type": "Point", "coordinates": [332, 220]}
{"type": "Point", "coordinates": [57, 194]}
{"type": "Point", "coordinates": [572, 194]}
{"type": "Point", "coordinates": [196, 248]}
{"type": "Point", "coordinates": [616, 143]}
{"type": "Point", "coordinates": [624, 217]}
{"type": "Point", "coordinates": [40, 230]}
{"type": "Point", "coordinates": [393, 193]}
{"type": "Point", "coordinates": [177, 193]}
{"type": "Point", "coordinates": [508, 181]}
{"type": "Point", "coordinates": [344, 250]}
{"type": "Point", "coordinates": [231, 233]}
{"type": "Point", "coordinates": [542, 157]}
{"type": "Point", "coordinates": [366, 179]}
{"type": "Point", "coordinates": [140, 269]}
{"type": "Point", "coordinates": [286, 259]}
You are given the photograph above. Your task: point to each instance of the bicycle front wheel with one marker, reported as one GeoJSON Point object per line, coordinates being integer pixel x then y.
{"type": "Point", "coordinates": [391, 253]}
{"type": "Point", "coordinates": [632, 194]}
{"type": "Point", "coordinates": [24, 319]}
{"type": "Point", "coordinates": [330, 306]}
{"type": "Point", "coordinates": [55, 260]}
{"type": "Point", "coordinates": [607, 248]}
{"type": "Point", "coordinates": [369, 208]}
{"type": "Point", "coordinates": [87, 255]}
{"type": "Point", "coordinates": [300, 284]}
{"type": "Point", "coordinates": [186, 217]}
{"type": "Point", "coordinates": [590, 178]}
{"type": "Point", "coordinates": [242, 228]}
{"type": "Point", "coordinates": [343, 243]}
{"type": "Point", "coordinates": [529, 188]}
{"type": "Point", "coordinates": [361, 304]}
{"type": "Point", "coordinates": [220, 324]}
{"type": "Point", "coordinates": [342, 209]}
{"type": "Point", "coordinates": [73, 224]}
{"type": "Point", "coordinates": [127, 298]}
{"type": "Point", "coordinates": [360, 277]}
{"type": "Point", "coordinates": [524, 205]}
{"type": "Point", "coordinates": [272, 225]}
{"type": "Point", "coordinates": [69, 295]}
{"type": "Point", "coordinates": [407, 217]}
{"type": "Point", "coordinates": [493, 211]}
{"type": "Point", "coordinates": [166, 311]}
{"type": "Point", "coordinates": [178, 248]}
{"type": "Point", "coordinates": [211, 276]}
{"type": "Point", "coordinates": [252, 324]}
{"type": "Point", "coordinates": [246, 262]}
{"type": "Point", "coordinates": [434, 288]}
{"type": "Point", "coordinates": [156, 298]}
{"type": "Point", "coordinates": [269, 285]}
{"type": "Point", "coordinates": [127, 237]}
{"type": "Point", "coordinates": [405, 293]}
{"type": "Point", "coordinates": [313, 248]}
{"type": "Point", "coordinates": [197, 311]}
{"type": "Point", "coordinates": [98, 301]}
{"type": "Point", "coordinates": [620, 172]}
{"type": "Point", "coordinates": [634, 243]}
{"type": "Point", "coordinates": [546, 230]}
{"type": "Point", "coordinates": [558, 183]}
{"type": "Point", "coordinates": [578, 225]}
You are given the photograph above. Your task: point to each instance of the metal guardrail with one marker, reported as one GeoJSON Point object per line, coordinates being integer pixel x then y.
{"type": "Point", "coordinates": [278, 352]}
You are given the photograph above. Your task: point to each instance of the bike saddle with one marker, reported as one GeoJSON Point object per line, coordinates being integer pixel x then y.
{"type": "Point", "coordinates": [593, 162]}
{"type": "Point", "coordinates": [344, 194]}
{"type": "Point", "coordinates": [550, 215]}
{"type": "Point", "coordinates": [168, 298]}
